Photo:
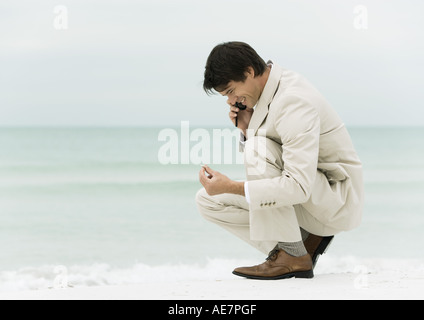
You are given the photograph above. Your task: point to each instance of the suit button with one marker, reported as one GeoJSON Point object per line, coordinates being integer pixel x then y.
{"type": "Point", "coordinates": [262, 204]}
{"type": "Point", "coordinates": [273, 203]}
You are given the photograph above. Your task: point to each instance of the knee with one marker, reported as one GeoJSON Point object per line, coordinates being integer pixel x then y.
{"type": "Point", "coordinates": [256, 144]}
{"type": "Point", "coordinates": [200, 195]}
{"type": "Point", "coordinates": [203, 202]}
{"type": "Point", "coordinates": [262, 157]}
{"type": "Point", "coordinates": [260, 148]}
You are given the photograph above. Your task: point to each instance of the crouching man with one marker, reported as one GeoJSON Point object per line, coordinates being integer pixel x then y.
{"type": "Point", "coordinates": [304, 178]}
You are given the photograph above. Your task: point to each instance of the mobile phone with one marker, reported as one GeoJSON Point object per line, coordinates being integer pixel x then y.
{"type": "Point", "coordinates": [241, 107]}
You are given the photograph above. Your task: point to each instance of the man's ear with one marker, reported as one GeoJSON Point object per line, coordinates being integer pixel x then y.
{"type": "Point", "coordinates": [250, 72]}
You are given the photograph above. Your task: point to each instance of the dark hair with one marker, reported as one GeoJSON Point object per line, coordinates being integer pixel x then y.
{"type": "Point", "coordinates": [228, 62]}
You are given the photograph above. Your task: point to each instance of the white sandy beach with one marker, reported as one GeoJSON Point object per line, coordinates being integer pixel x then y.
{"type": "Point", "coordinates": [378, 279]}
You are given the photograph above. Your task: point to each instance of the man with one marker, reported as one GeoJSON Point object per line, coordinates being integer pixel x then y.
{"type": "Point", "coordinates": [304, 178]}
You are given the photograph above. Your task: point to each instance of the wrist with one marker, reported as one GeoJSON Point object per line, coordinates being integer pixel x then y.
{"type": "Point", "coordinates": [237, 187]}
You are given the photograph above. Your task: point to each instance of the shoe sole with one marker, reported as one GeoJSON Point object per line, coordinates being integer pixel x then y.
{"type": "Point", "coordinates": [299, 274]}
{"type": "Point", "coordinates": [322, 248]}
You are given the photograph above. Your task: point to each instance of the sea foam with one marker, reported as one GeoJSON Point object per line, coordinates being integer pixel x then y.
{"type": "Point", "coordinates": [51, 276]}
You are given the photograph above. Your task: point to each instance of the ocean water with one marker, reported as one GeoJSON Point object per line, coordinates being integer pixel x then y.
{"type": "Point", "coordinates": [100, 206]}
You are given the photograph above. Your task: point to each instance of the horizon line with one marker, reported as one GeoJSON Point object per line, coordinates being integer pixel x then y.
{"type": "Point", "coordinates": [176, 126]}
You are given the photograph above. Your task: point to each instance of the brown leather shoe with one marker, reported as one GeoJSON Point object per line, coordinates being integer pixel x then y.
{"type": "Point", "coordinates": [279, 265]}
{"type": "Point", "coordinates": [316, 246]}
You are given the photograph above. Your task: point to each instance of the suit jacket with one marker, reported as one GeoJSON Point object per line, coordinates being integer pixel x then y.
{"type": "Point", "coordinates": [322, 170]}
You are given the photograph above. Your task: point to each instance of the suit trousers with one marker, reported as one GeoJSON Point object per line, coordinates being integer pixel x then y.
{"type": "Point", "coordinates": [263, 228]}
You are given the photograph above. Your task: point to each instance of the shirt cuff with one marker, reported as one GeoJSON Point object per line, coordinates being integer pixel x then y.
{"type": "Point", "coordinates": [246, 192]}
{"type": "Point", "coordinates": [242, 138]}
{"type": "Point", "coordinates": [242, 142]}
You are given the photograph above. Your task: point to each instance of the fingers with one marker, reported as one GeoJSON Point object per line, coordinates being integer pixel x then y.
{"type": "Point", "coordinates": [233, 116]}
{"type": "Point", "coordinates": [233, 113]}
{"type": "Point", "coordinates": [203, 178]}
{"type": "Point", "coordinates": [208, 170]}
{"type": "Point", "coordinates": [234, 109]}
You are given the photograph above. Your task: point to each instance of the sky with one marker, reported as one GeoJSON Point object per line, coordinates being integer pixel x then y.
{"type": "Point", "coordinates": [141, 63]}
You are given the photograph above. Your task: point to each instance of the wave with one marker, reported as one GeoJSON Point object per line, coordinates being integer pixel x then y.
{"type": "Point", "coordinates": [119, 183]}
{"type": "Point", "coordinates": [108, 176]}
{"type": "Point", "coordinates": [54, 276]}
{"type": "Point", "coordinates": [59, 276]}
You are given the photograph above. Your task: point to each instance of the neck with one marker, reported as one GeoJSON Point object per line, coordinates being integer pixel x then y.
{"type": "Point", "coordinates": [264, 78]}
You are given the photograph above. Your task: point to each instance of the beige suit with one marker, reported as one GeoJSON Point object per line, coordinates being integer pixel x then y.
{"type": "Point", "coordinates": [302, 169]}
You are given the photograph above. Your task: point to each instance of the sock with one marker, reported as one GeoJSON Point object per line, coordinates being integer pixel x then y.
{"type": "Point", "coordinates": [295, 249]}
{"type": "Point", "coordinates": [304, 233]}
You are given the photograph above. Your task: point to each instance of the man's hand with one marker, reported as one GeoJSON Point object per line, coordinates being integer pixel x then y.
{"type": "Point", "coordinates": [243, 117]}
{"type": "Point", "coordinates": [217, 183]}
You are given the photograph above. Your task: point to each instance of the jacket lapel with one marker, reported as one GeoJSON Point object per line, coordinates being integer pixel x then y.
{"type": "Point", "coordinates": [261, 109]}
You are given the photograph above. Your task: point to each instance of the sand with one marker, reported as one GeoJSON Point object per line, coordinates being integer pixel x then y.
{"type": "Point", "coordinates": [374, 280]}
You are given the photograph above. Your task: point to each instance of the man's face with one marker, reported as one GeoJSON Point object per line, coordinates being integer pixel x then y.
{"type": "Point", "coordinates": [246, 92]}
